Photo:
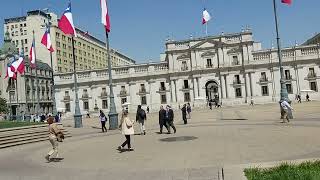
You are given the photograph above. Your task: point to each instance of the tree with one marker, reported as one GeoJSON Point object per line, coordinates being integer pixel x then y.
{"type": "Point", "coordinates": [3, 105]}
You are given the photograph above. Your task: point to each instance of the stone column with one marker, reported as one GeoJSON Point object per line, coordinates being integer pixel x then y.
{"type": "Point", "coordinates": [198, 86]}
{"type": "Point", "coordinates": [226, 85]}
{"type": "Point", "coordinates": [175, 89]}
{"type": "Point", "coordinates": [250, 81]}
{"type": "Point", "coordinates": [195, 87]}
{"type": "Point", "coordinates": [172, 90]}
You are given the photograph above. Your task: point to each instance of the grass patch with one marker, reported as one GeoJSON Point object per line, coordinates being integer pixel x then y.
{"type": "Point", "coordinates": [12, 124]}
{"type": "Point", "coordinates": [303, 171]}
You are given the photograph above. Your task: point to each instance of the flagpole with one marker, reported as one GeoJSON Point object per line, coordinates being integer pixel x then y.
{"type": "Point", "coordinates": [207, 28]}
{"type": "Point", "coordinates": [53, 98]}
{"type": "Point", "coordinates": [77, 112]}
{"type": "Point", "coordinates": [113, 115]}
{"type": "Point", "coordinates": [283, 91]}
{"type": "Point", "coordinates": [36, 82]}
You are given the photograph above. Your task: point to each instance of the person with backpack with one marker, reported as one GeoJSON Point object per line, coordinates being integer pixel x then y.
{"type": "Point", "coordinates": [141, 117]}
{"type": "Point", "coordinates": [103, 120]}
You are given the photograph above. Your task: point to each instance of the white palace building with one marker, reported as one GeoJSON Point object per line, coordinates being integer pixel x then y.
{"type": "Point", "coordinates": [230, 68]}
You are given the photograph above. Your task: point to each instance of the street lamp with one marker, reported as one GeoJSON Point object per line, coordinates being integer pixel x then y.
{"type": "Point", "coordinates": [283, 92]}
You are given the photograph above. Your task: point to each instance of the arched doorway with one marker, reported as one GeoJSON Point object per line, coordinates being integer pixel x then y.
{"type": "Point", "coordinates": [212, 91]}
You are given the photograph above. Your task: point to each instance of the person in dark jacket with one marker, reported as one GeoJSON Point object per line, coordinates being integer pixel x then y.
{"type": "Point", "coordinates": [162, 119]}
{"type": "Point", "coordinates": [103, 120]}
{"type": "Point", "coordinates": [170, 119]}
{"type": "Point", "coordinates": [140, 118]}
{"type": "Point", "coordinates": [184, 114]}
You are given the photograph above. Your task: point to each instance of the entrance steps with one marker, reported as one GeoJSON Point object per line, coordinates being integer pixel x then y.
{"type": "Point", "coordinates": [25, 135]}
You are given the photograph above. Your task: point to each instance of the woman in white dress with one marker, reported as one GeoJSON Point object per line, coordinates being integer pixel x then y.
{"type": "Point", "coordinates": [126, 126]}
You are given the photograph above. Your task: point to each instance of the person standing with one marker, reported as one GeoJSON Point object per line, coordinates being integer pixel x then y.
{"type": "Point", "coordinates": [307, 97]}
{"type": "Point", "coordinates": [189, 110]}
{"type": "Point", "coordinates": [103, 120]}
{"type": "Point", "coordinates": [55, 134]}
{"type": "Point", "coordinates": [184, 114]}
{"type": "Point", "coordinates": [126, 125]}
{"type": "Point", "coordinates": [170, 119]}
{"type": "Point", "coordinates": [162, 119]}
{"type": "Point", "coordinates": [251, 102]}
{"type": "Point", "coordinates": [210, 105]}
{"type": "Point", "coordinates": [141, 117]}
{"type": "Point", "coordinates": [148, 109]}
{"type": "Point", "coordinates": [285, 106]}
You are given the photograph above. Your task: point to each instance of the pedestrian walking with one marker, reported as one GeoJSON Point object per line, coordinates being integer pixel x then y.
{"type": "Point", "coordinates": [55, 135]}
{"type": "Point", "coordinates": [103, 120]}
{"type": "Point", "coordinates": [141, 117]}
{"type": "Point", "coordinates": [307, 97]}
{"type": "Point", "coordinates": [299, 98]}
{"type": "Point", "coordinates": [162, 119]}
{"type": "Point", "coordinates": [285, 106]}
{"type": "Point", "coordinates": [189, 110]}
{"type": "Point", "coordinates": [251, 102]}
{"type": "Point", "coordinates": [210, 105]}
{"type": "Point", "coordinates": [184, 114]}
{"type": "Point", "coordinates": [148, 109]}
{"type": "Point", "coordinates": [126, 126]}
{"type": "Point", "coordinates": [170, 119]}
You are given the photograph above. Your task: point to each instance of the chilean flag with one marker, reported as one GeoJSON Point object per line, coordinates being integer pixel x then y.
{"type": "Point", "coordinates": [286, 2]}
{"type": "Point", "coordinates": [66, 22]}
{"type": "Point", "coordinates": [18, 65]}
{"type": "Point", "coordinates": [10, 72]}
{"type": "Point", "coordinates": [105, 18]}
{"type": "Point", "coordinates": [205, 16]}
{"type": "Point", "coordinates": [32, 56]}
{"type": "Point", "coordinates": [46, 40]}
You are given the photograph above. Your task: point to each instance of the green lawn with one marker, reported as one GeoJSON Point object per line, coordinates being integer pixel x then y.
{"type": "Point", "coordinates": [11, 124]}
{"type": "Point", "coordinates": [304, 171]}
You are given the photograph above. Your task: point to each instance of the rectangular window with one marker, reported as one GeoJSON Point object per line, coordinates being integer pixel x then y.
{"type": "Point", "coordinates": [265, 90]}
{"type": "Point", "coordinates": [187, 97]}
{"type": "Point", "coordinates": [289, 88]}
{"type": "Point", "coordinates": [143, 100]}
{"type": "Point", "coordinates": [142, 88]}
{"type": "Point", "coordinates": [287, 74]}
{"type": "Point", "coordinates": [67, 106]}
{"type": "Point", "coordinates": [184, 66]}
{"type": "Point", "coordinates": [313, 86]}
{"type": "Point", "coordinates": [238, 93]}
{"type": "Point", "coordinates": [209, 63]}
{"type": "Point", "coordinates": [162, 86]}
{"type": "Point", "coordinates": [104, 104]}
{"type": "Point", "coordinates": [311, 73]}
{"type": "Point", "coordinates": [86, 105]}
{"type": "Point", "coordinates": [186, 84]}
{"type": "Point", "coordinates": [163, 99]}
{"type": "Point", "coordinates": [235, 60]}
{"type": "Point", "coordinates": [237, 79]}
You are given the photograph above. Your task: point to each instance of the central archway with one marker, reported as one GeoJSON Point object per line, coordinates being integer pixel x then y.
{"type": "Point", "coordinates": [212, 91]}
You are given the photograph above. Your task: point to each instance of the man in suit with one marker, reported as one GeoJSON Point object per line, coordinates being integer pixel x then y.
{"type": "Point", "coordinates": [169, 119]}
{"type": "Point", "coordinates": [162, 119]}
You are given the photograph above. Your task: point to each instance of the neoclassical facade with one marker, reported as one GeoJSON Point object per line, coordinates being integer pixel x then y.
{"type": "Point", "coordinates": [229, 68]}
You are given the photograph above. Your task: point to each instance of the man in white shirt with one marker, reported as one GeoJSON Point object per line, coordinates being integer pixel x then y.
{"type": "Point", "coordinates": [285, 106]}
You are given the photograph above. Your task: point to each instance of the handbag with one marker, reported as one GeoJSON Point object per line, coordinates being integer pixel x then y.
{"type": "Point", "coordinates": [129, 123]}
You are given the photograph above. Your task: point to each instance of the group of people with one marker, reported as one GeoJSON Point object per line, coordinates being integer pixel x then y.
{"type": "Point", "coordinates": [298, 98]}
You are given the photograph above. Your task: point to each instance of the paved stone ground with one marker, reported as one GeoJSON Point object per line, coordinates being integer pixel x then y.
{"type": "Point", "coordinates": [226, 136]}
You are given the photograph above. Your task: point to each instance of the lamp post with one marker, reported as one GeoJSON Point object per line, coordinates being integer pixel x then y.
{"type": "Point", "coordinates": [54, 107]}
{"type": "Point", "coordinates": [113, 115]}
{"type": "Point", "coordinates": [283, 92]}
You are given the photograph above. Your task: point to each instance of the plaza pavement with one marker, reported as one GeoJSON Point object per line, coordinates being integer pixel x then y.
{"type": "Point", "coordinates": [222, 138]}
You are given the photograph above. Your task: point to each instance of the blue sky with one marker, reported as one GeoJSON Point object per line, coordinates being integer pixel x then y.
{"type": "Point", "coordinates": [140, 27]}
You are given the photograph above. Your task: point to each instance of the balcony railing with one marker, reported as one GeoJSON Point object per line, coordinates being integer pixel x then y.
{"type": "Point", "coordinates": [185, 87]}
{"type": "Point", "coordinates": [209, 66]}
{"type": "Point", "coordinates": [236, 82]}
{"type": "Point", "coordinates": [142, 91]}
{"type": "Point", "coordinates": [312, 75]}
{"type": "Point", "coordinates": [104, 94]}
{"type": "Point", "coordinates": [66, 98]}
{"type": "Point", "coordinates": [123, 93]}
{"type": "Point", "coordinates": [235, 63]}
{"type": "Point", "coordinates": [86, 96]}
{"type": "Point", "coordinates": [184, 68]}
{"type": "Point", "coordinates": [263, 79]}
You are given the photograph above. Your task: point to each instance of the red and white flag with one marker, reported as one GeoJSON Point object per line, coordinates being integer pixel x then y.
{"type": "Point", "coordinates": [286, 2]}
{"type": "Point", "coordinates": [205, 16]}
{"type": "Point", "coordinates": [18, 65]}
{"type": "Point", "coordinates": [46, 40]}
{"type": "Point", "coordinates": [32, 56]}
{"type": "Point", "coordinates": [105, 18]}
{"type": "Point", "coordinates": [10, 72]}
{"type": "Point", "coordinates": [66, 22]}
